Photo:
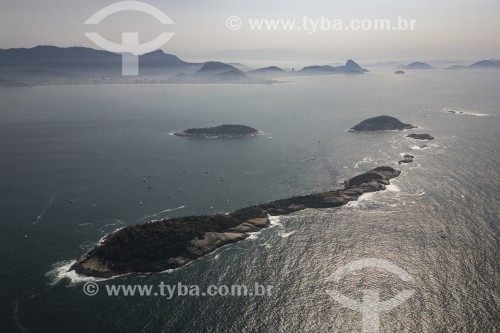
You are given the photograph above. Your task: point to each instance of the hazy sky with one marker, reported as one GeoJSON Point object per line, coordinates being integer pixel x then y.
{"type": "Point", "coordinates": [447, 29]}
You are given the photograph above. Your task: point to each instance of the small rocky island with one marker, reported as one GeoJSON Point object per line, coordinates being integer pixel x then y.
{"type": "Point", "coordinates": [418, 65]}
{"type": "Point", "coordinates": [407, 158]}
{"type": "Point", "coordinates": [221, 130]}
{"type": "Point", "coordinates": [420, 136]}
{"type": "Point", "coordinates": [172, 243]}
{"type": "Point", "coordinates": [381, 123]}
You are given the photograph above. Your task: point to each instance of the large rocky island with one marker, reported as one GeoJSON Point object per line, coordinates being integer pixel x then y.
{"type": "Point", "coordinates": [381, 123]}
{"type": "Point", "coordinates": [221, 130]}
{"type": "Point", "coordinates": [172, 243]}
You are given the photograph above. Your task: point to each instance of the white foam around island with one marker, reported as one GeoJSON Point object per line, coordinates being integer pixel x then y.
{"type": "Point", "coordinates": [253, 235]}
{"type": "Point", "coordinates": [392, 188]}
{"type": "Point", "coordinates": [419, 148]}
{"type": "Point", "coordinates": [464, 112]}
{"type": "Point", "coordinates": [275, 220]}
{"type": "Point", "coordinates": [365, 160]}
{"type": "Point", "coordinates": [287, 234]}
{"type": "Point", "coordinates": [163, 211]}
{"type": "Point", "coordinates": [365, 197]}
{"type": "Point", "coordinates": [60, 271]}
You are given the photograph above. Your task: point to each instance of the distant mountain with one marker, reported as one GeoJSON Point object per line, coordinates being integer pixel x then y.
{"type": "Point", "coordinates": [353, 67]}
{"type": "Point", "coordinates": [417, 65]}
{"type": "Point", "coordinates": [79, 59]}
{"type": "Point", "coordinates": [271, 70]}
{"type": "Point", "coordinates": [240, 66]}
{"type": "Point", "coordinates": [43, 65]}
{"type": "Point", "coordinates": [317, 69]}
{"type": "Point", "coordinates": [350, 67]}
{"type": "Point", "coordinates": [158, 59]}
{"type": "Point", "coordinates": [213, 72]}
{"type": "Point", "coordinates": [212, 68]}
{"type": "Point", "coordinates": [492, 63]}
{"type": "Point", "coordinates": [483, 64]}
{"type": "Point", "coordinates": [52, 57]}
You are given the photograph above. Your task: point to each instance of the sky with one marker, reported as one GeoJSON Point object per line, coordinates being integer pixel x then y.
{"type": "Point", "coordinates": [444, 29]}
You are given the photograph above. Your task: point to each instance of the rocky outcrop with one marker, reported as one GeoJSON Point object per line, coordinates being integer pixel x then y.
{"type": "Point", "coordinates": [407, 158]}
{"type": "Point", "coordinates": [167, 244]}
{"type": "Point", "coordinates": [381, 123]}
{"type": "Point", "coordinates": [420, 136]}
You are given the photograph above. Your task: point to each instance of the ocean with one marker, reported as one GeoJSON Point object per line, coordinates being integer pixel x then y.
{"type": "Point", "coordinates": [74, 161]}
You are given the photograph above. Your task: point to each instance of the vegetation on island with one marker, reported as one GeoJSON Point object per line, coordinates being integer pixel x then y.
{"type": "Point", "coordinates": [161, 239]}
{"type": "Point", "coordinates": [228, 130]}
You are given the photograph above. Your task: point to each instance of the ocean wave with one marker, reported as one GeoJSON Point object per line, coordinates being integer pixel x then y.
{"type": "Point", "coordinates": [382, 201]}
{"type": "Point", "coordinates": [162, 212]}
{"type": "Point", "coordinates": [286, 234]}
{"type": "Point", "coordinates": [60, 271]}
{"type": "Point", "coordinates": [39, 217]}
{"type": "Point", "coordinates": [253, 235]}
{"type": "Point", "coordinates": [365, 160]}
{"type": "Point", "coordinates": [393, 188]}
{"type": "Point", "coordinates": [111, 227]}
{"type": "Point", "coordinates": [419, 148]}
{"type": "Point", "coordinates": [362, 201]}
{"type": "Point", "coordinates": [17, 321]}
{"type": "Point", "coordinates": [275, 220]}
{"type": "Point", "coordinates": [88, 224]}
